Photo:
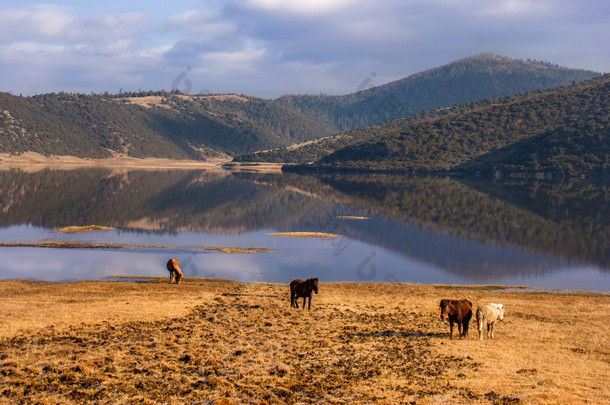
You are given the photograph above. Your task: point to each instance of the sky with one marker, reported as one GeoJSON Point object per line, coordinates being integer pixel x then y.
{"type": "Point", "coordinates": [267, 48]}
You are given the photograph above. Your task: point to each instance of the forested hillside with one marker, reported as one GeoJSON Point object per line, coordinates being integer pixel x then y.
{"type": "Point", "coordinates": [172, 126]}
{"type": "Point", "coordinates": [564, 131]}
{"type": "Point", "coordinates": [469, 79]}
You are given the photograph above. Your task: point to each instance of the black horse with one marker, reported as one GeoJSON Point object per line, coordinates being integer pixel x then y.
{"type": "Point", "coordinates": [302, 288]}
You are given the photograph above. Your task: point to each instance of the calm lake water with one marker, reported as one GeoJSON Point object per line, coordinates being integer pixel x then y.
{"type": "Point", "coordinates": [420, 229]}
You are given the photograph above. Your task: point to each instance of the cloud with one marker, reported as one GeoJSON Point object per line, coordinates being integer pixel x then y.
{"type": "Point", "coordinates": [311, 7]}
{"type": "Point", "coordinates": [270, 47]}
{"type": "Point", "coordinates": [37, 22]}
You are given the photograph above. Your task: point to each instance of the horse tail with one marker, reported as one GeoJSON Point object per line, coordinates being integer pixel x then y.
{"type": "Point", "coordinates": [480, 322]}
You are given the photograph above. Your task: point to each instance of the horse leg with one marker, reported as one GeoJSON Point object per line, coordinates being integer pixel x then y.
{"type": "Point", "coordinates": [459, 324]}
{"type": "Point", "coordinates": [489, 330]}
{"type": "Point", "coordinates": [492, 330]}
{"type": "Point", "coordinates": [450, 329]}
{"type": "Point", "coordinates": [171, 277]}
{"type": "Point", "coordinates": [309, 306]}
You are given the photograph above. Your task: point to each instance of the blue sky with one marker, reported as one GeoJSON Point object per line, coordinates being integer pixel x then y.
{"type": "Point", "coordinates": [267, 48]}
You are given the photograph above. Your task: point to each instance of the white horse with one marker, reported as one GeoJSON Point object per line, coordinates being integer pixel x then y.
{"type": "Point", "coordinates": [488, 315]}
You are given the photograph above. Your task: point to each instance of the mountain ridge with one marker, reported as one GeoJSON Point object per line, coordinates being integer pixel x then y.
{"type": "Point", "coordinates": [175, 126]}
{"type": "Point", "coordinates": [571, 122]}
{"type": "Point", "coordinates": [203, 126]}
{"type": "Point", "coordinates": [465, 80]}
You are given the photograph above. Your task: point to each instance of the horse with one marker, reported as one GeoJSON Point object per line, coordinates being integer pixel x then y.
{"type": "Point", "coordinates": [459, 312]}
{"type": "Point", "coordinates": [175, 274]}
{"type": "Point", "coordinates": [302, 288]}
{"type": "Point", "coordinates": [488, 315]}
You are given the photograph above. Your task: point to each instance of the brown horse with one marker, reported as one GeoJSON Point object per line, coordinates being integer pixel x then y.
{"type": "Point", "coordinates": [302, 288]}
{"type": "Point", "coordinates": [175, 274]}
{"type": "Point", "coordinates": [457, 311]}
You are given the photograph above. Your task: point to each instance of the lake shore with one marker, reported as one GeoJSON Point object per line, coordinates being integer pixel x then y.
{"type": "Point", "coordinates": [228, 342]}
{"type": "Point", "coordinates": [32, 161]}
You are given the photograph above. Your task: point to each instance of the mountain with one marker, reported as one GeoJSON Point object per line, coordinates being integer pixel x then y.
{"type": "Point", "coordinates": [469, 79]}
{"type": "Point", "coordinates": [562, 131]}
{"type": "Point", "coordinates": [178, 126]}
{"type": "Point", "coordinates": [168, 125]}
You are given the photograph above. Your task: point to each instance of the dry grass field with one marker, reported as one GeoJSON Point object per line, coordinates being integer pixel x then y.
{"type": "Point", "coordinates": [222, 342]}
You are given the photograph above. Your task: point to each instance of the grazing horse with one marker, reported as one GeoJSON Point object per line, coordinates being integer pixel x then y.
{"type": "Point", "coordinates": [302, 288]}
{"type": "Point", "coordinates": [488, 315]}
{"type": "Point", "coordinates": [175, 274]}
{"type": "Point", "coordinates": [457, 311]}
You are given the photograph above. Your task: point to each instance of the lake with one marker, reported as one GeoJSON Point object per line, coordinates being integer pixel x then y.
{"type": "Point", "coordinates": [431, 230]}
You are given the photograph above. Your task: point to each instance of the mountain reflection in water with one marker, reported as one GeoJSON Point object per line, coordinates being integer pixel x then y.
{"type": "Point", "coordinates": [455, 230]}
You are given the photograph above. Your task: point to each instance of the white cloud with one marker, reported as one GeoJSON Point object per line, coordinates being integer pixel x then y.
{"type": "Point", "coordinates": [270, 47]}
{"type": "Point", "coordinates": [39, 20]}
{"type": "Point", "coordinates": [514, 8]}
{"type": "Point", "coordinates": [154, 53]}
{"type": "Point", "coordinates": [233, 60]}
{"type": "Point", "coordinates": [35, 47]}
{"type": "Point", "coordinates": [196, 22]}
{"type": "Point", "coordinates": [301, 6]}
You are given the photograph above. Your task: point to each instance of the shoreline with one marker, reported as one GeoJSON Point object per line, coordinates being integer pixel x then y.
{"type": "Point", "coordinates": [525, 289]}
{"type": "Point", "coordinates": [32, 161]}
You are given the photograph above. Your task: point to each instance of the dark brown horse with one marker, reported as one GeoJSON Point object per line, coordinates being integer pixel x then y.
{"type": "Point", "coordinates": [457, 311]}
{"type": "Point", "coordinates": [302, 288]}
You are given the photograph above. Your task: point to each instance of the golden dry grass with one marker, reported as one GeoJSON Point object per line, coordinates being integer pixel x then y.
{"type": "Point", "coordinates": [92, 245]}
{"type": "Point", "coordinates": [88, 228]}
{"type": "Point", "coordinates": [351, 217]}
{"type": "Point", "coordinates": [212, 340]}
{"type": "Point", "coordinates": [305, 234]}
{"type": "Point", "coordinates": [64, 245]}
{"type": "Point", "coordinates": [233, 250]}
{"type": "Point", "coordinates": [34, 162]}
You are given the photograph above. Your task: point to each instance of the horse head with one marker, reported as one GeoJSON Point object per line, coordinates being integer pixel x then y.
{"type": "Point", "coordinates": [313, 284]}
{"type": "Point", "coordinates": [444, 309]}
{"type": "Point", "coordinates": [501, 312]}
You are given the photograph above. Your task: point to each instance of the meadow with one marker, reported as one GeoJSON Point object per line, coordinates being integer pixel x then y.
{"type": "Point", "coordinates": [210, 341]}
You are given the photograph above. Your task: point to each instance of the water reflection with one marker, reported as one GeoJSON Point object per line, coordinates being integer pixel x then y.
{"type": "Point", "coordinates": [429, 230]}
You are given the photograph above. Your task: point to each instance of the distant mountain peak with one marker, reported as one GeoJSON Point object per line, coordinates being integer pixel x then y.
{"type": "Point", "coordinates": [472, 78]}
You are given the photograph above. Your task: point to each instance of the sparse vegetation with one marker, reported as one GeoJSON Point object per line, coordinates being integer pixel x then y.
{"type": "Point", "coordinates": [232, 250]}
{"type": "Point", "coordinates": [214, 340]}
{"type": "Point", "coordinates": [90, 245]}
{"type": "Point", "coordinates": [305, 234]}
{"type": "Point", "coordinates": [65, 245]}
{"type": "Point", "coordinates": [87, 228]}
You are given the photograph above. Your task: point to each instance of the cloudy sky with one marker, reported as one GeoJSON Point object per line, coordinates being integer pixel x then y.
{"type": "Point", "coordinates": [271, 47]}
